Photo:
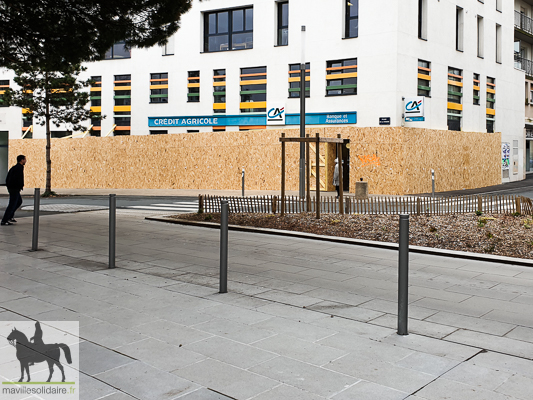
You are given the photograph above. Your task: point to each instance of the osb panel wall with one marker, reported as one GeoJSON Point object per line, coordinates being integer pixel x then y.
{"type": "Point", "coordinates": [391, 160]}
{"type": "Point", "coordinates": [181, 161]}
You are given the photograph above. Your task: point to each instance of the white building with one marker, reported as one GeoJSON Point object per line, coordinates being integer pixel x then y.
{"type": "Point", "coordinates": [231, 62]}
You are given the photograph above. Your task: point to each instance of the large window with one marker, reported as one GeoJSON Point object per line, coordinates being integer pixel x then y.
{"type": "Point", "coordinates": [294, 80]}
{"type": "Point", "coordinates": [283, 23]}
{"type": "Point", "coordinates": [253, 89]}
{"type": "Point", "coordinates": [219, 91]}
{"type": "Point", "coordinates": [119, 50]}
{"type": "Point", "coordinates": [341, 77]}
{"type": "Point", "coordinates": [422, 19]}
{"type": "Point", "coordinates": [352, 19]}
{"type": "Point", "coordinates": [193, 87]}
{"type": "Point", "coordinates": [424, 78]}
{"type": "Point", "coordinates": [491, 104]}
{"type": "Point", "coordinates": [455, 98]}
{"type": "Point", "coordinates": [159, 88]}
{"type": "Point", "coordinates": [4, 84]}
{"type": "Point", "coordinates": [459, 28]}
{"type": "Point", "coordinates": [229, 30]}
{"type": "Point", "coordinates": [476, 90]}
{"type": "Point", "coordinates": [122, 108]}
{"type": "Point", "coordinates": [480, 37]}
{"type": "Point", "coordinates": [96, 105]}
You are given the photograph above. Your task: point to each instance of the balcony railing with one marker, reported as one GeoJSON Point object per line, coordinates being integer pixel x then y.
{"type": "Point", "coordinates": [523, 22]}
{"type": "Point", "coordinates": [524, 64]}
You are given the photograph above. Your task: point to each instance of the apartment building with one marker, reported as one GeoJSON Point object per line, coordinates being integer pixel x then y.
{"type": "Point", "coordinates": [368, 64]}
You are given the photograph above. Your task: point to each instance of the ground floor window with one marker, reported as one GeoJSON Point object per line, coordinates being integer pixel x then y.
{"type": "Point", "coordinates": [529, 155]}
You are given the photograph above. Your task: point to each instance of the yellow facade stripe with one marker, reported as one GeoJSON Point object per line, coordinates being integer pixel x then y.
{"type": "Point", "coordinates": [122, 108]}
{"type": "Point", "coordinates": [476, 88]}
{"type": "Point", "coordinates": [96, 109]}
{"type": "Point", "coordinates": [158, 86]}
{"type": "Point", "coordinates": [455, 106]}
{"type": "Point", "coordinates": [254, 82]}
{"type": "Point", "coordinates": [219, 83]}
{"type": "Point", "coordinates": [193, 85]}
{"type": "Point", "coordinates": [121, 88]}
{"type": "Point", "coordinates": [2, 91]}
{"type": "Point", "coordinates": [490, 111]}
{"type": "Point", "coordinates": [455, 83]}
{"type": "Point", "coordinates": [297, 79]}
{"type": "Point", "coordinates": [491, 91]}
{"type": "Point", "coordinates": [219, 106]}
{"type": "Point", "coordinates": [96, 89]}
{"type": "Point", "coordinates": [254, 104]}
{"type": "Point", "coordinates": [342, 76]}
{"type": "Point", "coordinates": [26, 111]}
{"type": "Point", "coordinates": [424, 77]}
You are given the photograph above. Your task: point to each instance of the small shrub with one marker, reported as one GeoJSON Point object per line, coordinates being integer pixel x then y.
{"type": "Point", "coordinates": [208, 217]}
{"type": "Point", "coordinates": [489, 235]}
{"type": "Point", "coordinates": [432, 229]}
{"type": "Point", "coordinates": [478, 213]}
{"type": "Point", "coordinates": [516, 214]}
{"type": "Point", "coordinates": [489, 249]}
{"type": "Point", "coordinates": [200, 211]}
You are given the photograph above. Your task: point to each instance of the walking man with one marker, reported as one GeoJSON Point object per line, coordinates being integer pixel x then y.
{"type": "Point", "coordinates": [14, 183]}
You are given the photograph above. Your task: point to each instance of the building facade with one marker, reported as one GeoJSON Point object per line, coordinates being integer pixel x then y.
{"type": "Point", "coordinates": [235, 65]}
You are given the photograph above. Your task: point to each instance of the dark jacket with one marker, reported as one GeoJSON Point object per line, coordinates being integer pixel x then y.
{"type": "Point", "coordinates": [15, 178]}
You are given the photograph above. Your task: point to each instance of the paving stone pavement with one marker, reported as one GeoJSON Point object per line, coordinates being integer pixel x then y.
{"type": "Point", "coordinates": [303, 319]}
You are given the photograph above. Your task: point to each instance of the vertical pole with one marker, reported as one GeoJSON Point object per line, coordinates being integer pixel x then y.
{"type": "Point", "coordinates": [242, 181]}
{"type": "Point", "coordinates": [282, 211]}
{"type": "Point", "coordinates": [112, 228]}
{"type": "Point", "coordinates": [403, 275]}
{"type": "Point", "coordinates": [433, 183]}
{"type": "Point", "coordinates": [302, 116]}
{"type": "Point", "coordinates": [308, 174]}
{"type": "Point", "coordinates": [317, 176]}
{"type": "Point", "coordinates": [341, 184]}
{"type": "Point", "coordinates": [224, 247]}
{"type": "Point", "coordinates": [36, 210]}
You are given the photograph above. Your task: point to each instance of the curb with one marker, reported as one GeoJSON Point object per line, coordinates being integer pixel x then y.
{"type": "Point", "coordinates": [359, 242]}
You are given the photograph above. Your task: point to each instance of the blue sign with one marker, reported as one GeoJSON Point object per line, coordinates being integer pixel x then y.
{"type": "Point", "coordinates": [253, 120]}
{"type": "Point", "coordinates": [414, 119]}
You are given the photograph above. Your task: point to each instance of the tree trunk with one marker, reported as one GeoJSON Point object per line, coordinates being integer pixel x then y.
{"type": "Point", "coordinates": [48, 189]}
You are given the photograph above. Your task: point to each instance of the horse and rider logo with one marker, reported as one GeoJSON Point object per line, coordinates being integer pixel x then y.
{"type": "Point", "coordinates": [34, 351]}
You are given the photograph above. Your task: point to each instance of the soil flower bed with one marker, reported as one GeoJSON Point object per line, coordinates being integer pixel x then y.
{"type": "Point", "coordinates": [498, 234]}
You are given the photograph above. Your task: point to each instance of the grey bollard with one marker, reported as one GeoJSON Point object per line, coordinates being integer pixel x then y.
{"type": "Point", "coordinates": [403, 275]}
{"type": "Point", "coordinates": [242, 181]}
{"type": "Point", "coordinates": [36, 210]}
{"type": "Point", "coordinates": [224, 247]}
{"type": "Point", "coordinates": [112, 228]}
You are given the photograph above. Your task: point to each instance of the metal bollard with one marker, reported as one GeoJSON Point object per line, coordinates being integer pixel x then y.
{"type": "Point", "coordinates": [403, 275]}
{"type": "Point", "coordinates": [433, 183]}
{"type": "Point", "coordinates": [242, 181]}
{"type": "Point", "coordinates": [224, 247]}
{"type": "Point", "coordinates": [36, 209]}
{"type": "Point", "coordinates": [112, 228]}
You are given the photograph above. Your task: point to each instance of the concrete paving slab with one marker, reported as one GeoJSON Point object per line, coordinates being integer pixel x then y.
{"type": "Point", "coordinates": [364, 390]}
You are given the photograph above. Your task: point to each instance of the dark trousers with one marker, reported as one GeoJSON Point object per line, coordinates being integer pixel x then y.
{"type": "Point", "coordinates": [337, 189]}
{"type": "Point", "coordinates": [15, 201]}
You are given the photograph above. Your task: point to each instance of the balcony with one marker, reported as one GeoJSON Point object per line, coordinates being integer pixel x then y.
{"type": "Point", "coordinates": [524, 64]}
{"type": "Point", "coordinates": [523, 23]}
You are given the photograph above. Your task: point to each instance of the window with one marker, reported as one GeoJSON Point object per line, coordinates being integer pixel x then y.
{"type": "Point", "coordinates": [459, 29]}
{"type": "Point", "coordinates": [352, 19]}
{"type": "Point", "coordinates": [498, 43]}
{"type": "Point", "coordinates": [341, 77]}
{"type": "Point", "coordinates": [499, 5]}
{"type": "Point", "coordinates": [422, 19]}
{"type": "Point", "coordinates": [168, 47]}
{"type": "Point", "coordinates": [253, 89]}
{"type": "Point", "coordinates": [159, 88]}
{"type": "Point", "coordinates": [229, 30]}
{"type": "Point", "coordinates": [480, 38]}
{"type": "Point", "coordinates": [294, 80]}
{"type": "Point", "coordinates": [4, 84]}
{"type": "Point", "coordinates": [193, 86]}
{"type": "Point", "coordinates": [491, 104]}
{"type": "Point", "coordinates": [424, 78]}
{"type": "Point", "coordinates": [476, 90]}
{"type": "Point", "coordinates": [455, 96]}
{"type": "Point", "coordinates": [219, 91]}
{"type": "Point", "coordinates": [96, 105]}
{"type": "Point", "coordinates": [122, 108]}
{"type": "Point", "coordinates": [283, 23]}
{"type": "Point", "coordinates": [27, 122]}
{"type": "Point", "coordinates": [119, 50]}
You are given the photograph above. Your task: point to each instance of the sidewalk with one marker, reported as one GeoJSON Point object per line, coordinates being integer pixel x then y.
{"type": "Point", "coordinates": [302, 320]}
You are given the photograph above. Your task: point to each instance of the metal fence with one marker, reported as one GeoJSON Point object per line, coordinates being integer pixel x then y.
{"type": "Point", "coordinates": [373, 205]}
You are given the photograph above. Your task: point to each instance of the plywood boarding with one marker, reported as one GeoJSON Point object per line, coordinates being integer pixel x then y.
{"type": "Point", "coordinates": [392, 160]}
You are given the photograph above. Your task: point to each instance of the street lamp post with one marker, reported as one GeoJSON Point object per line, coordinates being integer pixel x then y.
{"type": "Point", "coordinates": [302, 115]}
